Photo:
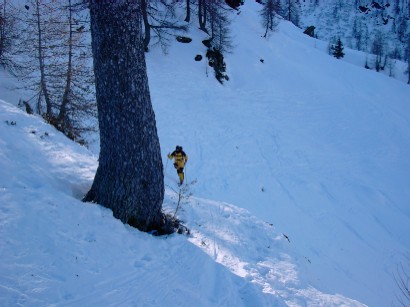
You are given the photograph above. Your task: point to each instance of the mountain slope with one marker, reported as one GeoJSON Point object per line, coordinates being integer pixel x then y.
{"type": "Point", "coordinates": [316, 146]}
{"type": "Point", "coordinates": [57, 250]}
{"type": "Point", "coordinates": [304, 146]}
{"type": "Point", "coordinates": [361, 23]}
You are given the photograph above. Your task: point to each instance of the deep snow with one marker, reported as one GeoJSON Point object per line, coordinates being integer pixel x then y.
{"type": "Point", "coordinates": [301, 145]}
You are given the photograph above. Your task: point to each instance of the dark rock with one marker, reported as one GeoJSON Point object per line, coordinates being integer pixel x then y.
{"type": "Point", "coordinates": [310, 31]}
{"type": "Point", "coordinates": [183, 39]}
{"type": "Point", "coordinates": [207, 42]}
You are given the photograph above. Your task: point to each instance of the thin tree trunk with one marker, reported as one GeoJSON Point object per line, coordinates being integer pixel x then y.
{"type": "Point", "coordinates": [188, 11]}
{"type": "Point", "coordinates": [408, 71]}
{"type": "Point", "coordinates": [3, 29]}
{"type": "Point", "coordinates": [62, 116]}
{"type": "Point", "coordinates": [202, 15]}
{"type": "Point", "coordinates": [147, 26]}
{"type": "Point", "coordinates": [43, 83]}
{"type": "Point", "coordinates": [129, 178]}
{"type": "Point", "coordinates": [289, 10]}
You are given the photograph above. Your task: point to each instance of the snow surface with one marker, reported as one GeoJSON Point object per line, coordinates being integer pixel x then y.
{"type": "Point", "coordinates": [301, 146]}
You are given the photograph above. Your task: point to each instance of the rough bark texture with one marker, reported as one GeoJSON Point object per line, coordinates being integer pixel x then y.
{"type": "Point", "coordinates": [129, 178]}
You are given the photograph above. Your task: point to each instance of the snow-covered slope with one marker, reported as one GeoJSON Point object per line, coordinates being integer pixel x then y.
{"type": "Point", "coordinates": [352, 19]}
{"type": "Point", "coordinates": [57, 250]}
{"type": "Point", "coordinates": [301, 145]}
{"type": "Point", "coordinates": [359, 24]}
{"type": "Point", "coordinates": [309, 143]}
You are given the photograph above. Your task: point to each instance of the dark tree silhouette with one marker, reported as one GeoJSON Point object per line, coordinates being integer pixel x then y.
{"type": "Point", "coordinates": [268, 14]}
{"type": "Point", "coordinates": [160, 22]}
{"type": "Point", "coordinates": [129, 178]}
{"type": "Point", "coordinates": [407, 57]}
{"type": "Point", "coordinates": [291, 11]}
{"type": "Point", "coordinates": [379, 50]}
{"type": "Point", "coordinates": [338, 49]}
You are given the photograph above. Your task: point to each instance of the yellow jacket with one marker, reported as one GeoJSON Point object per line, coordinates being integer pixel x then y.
{"type": "Point", "coordinates": [180, 158]}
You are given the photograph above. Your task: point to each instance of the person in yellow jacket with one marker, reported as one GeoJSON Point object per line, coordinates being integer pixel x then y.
{"type": "Point", "coordinates": [180, 159]}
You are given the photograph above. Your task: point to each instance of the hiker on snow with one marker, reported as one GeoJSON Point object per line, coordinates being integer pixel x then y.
{"type": "Point", "coordinates": [180, 158]}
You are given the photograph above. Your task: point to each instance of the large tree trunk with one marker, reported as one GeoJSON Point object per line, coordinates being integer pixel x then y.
{"type": "Point", "coordinates": [129, 178]}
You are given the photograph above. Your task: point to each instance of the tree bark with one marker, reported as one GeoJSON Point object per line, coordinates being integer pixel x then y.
{"type": "Point", "coordinates": [129, 178]}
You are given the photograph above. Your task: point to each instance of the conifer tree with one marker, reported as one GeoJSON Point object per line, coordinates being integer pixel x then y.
{"type": "Point", "coordinates": [337, 50]}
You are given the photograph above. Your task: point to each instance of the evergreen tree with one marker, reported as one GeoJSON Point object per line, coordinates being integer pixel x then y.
{"type": "Point", "coordinates": [338, 49]}
{"type": "Point", "coordinates": [129, 178]}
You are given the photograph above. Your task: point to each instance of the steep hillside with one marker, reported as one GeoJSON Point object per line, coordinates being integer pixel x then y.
{"type": "Point", "coordinates": [298, 169]}
{"type": "Point", "coordinates": [57, 250]}
{"type": "Point", "coordinates": [313, 145]}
